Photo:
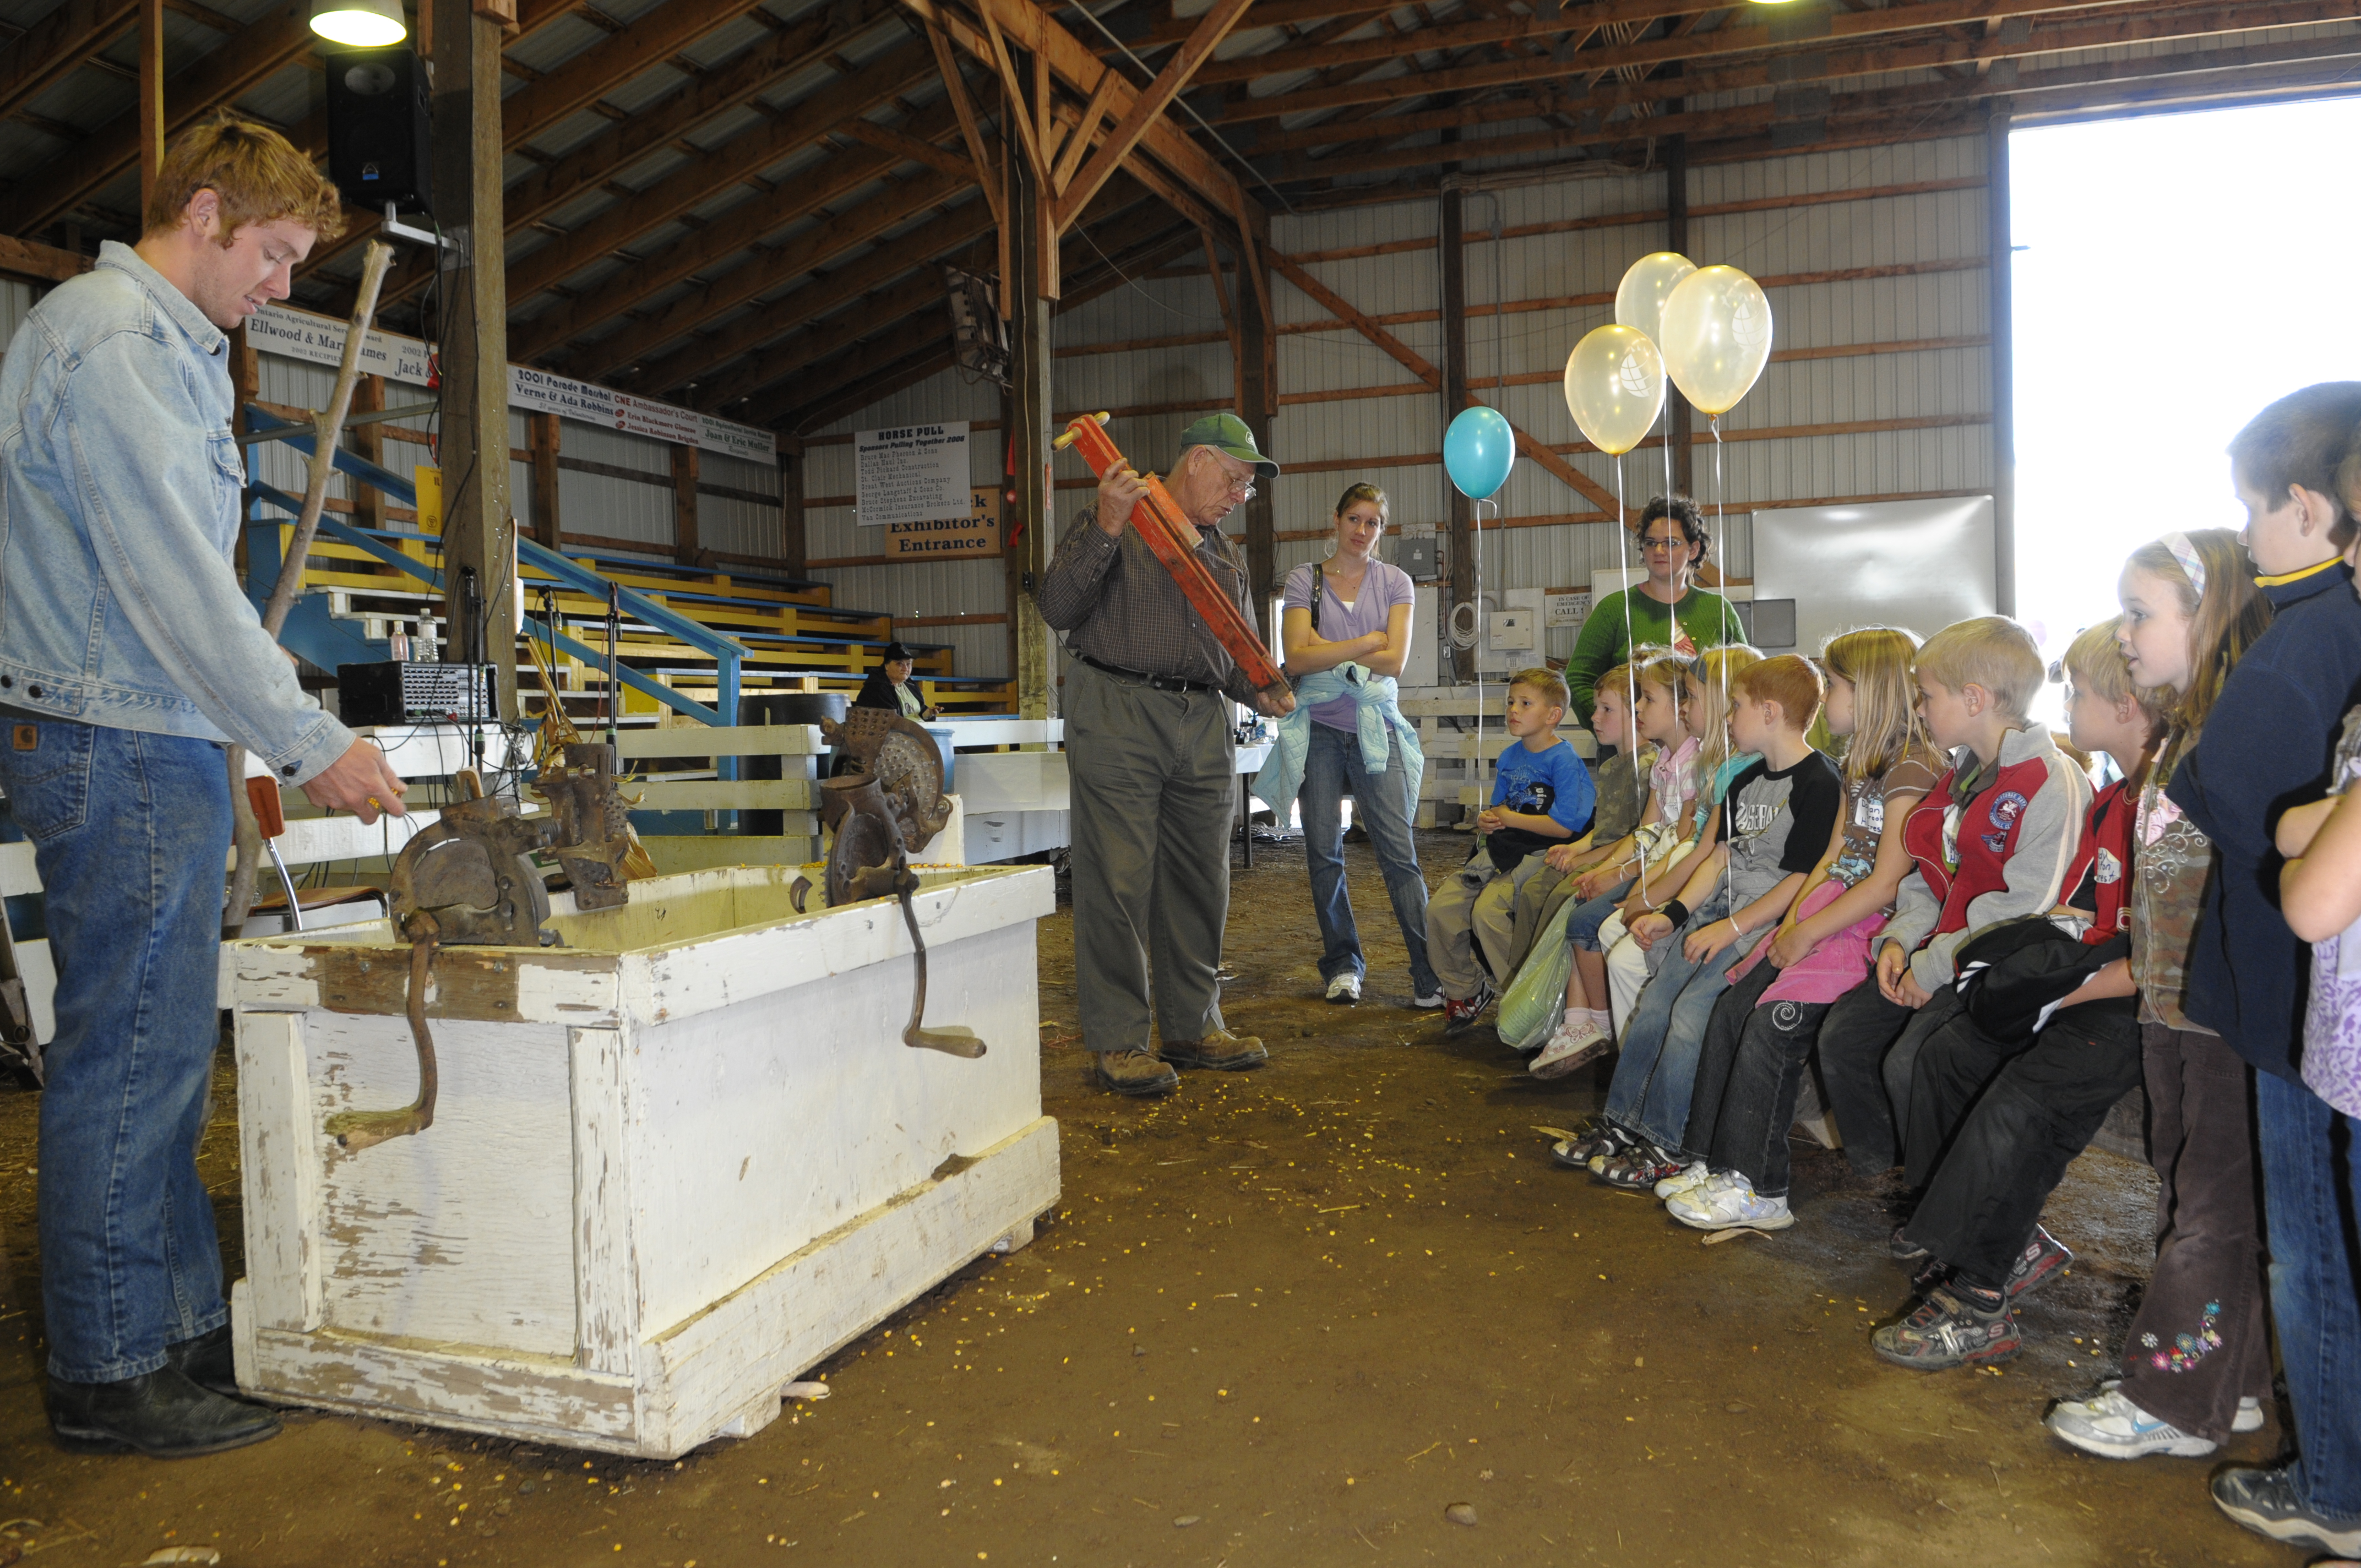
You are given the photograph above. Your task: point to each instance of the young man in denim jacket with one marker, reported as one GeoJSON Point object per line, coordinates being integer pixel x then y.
{"type": "Point", "coordinates": [130, 658]}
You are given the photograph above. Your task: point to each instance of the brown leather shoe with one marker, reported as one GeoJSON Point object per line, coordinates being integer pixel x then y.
{"type": "Point", "coordinates": [1220, 1050]}
{"type": "Point", "coordinates": [1135, 1072]}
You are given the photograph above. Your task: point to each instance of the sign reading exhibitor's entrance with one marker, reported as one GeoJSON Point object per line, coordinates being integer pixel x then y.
{"type": "Point", "coordinates": [946, 539]}
{"type": "Point", "coordinates": [915, 474]}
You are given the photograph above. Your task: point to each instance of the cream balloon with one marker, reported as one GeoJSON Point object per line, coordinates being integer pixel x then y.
{"type": "Point", "coordinates": [1614, 385]}
{"type": "Point", "coordinates": [1717, 336]}
{"type": "Point", "coordinates": [1647, 284]}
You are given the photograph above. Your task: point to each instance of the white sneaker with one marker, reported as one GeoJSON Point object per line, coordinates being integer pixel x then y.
{"type": "Point", "coordinates": [2248, 1419]}
{"type": "Point", "coordinates": [1345, 989]}
{"type": "Point", "coordinates": [1427, 999]}
{"type": "Point", "coordinates": [1690, 1177]}
{"type": "Point", "coordinates": [2111, 1427]}
{"type": "Point", "coordinates": [1731, 1206]}
{"type": "Point", "coordinates": [1576, 1043]}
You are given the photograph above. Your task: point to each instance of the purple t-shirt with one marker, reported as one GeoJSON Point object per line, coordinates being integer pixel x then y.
{"type": "Point", "coordinates": [1382, 589]}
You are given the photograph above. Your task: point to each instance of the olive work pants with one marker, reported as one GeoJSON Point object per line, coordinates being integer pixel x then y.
{"type": "Point", "coordinates": [1153, 791]}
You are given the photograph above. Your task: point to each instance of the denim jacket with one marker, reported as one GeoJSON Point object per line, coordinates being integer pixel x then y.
{"type": "Point", "coordinates": [119, 501]}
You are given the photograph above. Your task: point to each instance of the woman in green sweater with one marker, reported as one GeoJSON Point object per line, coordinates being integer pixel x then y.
{"type": "Point", "coordinates": [1664, 610]}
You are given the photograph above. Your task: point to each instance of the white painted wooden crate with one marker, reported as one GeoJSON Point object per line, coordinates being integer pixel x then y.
{"type": "Point", "coordinates": [675, 1163]}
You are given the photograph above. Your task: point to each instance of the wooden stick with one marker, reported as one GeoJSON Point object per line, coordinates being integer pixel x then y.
{"type": "Point", "coordinates": [375, 262]}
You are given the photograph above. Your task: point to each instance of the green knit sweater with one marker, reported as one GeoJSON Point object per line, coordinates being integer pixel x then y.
{"type": "Point", "coordinates": [1709, 619]}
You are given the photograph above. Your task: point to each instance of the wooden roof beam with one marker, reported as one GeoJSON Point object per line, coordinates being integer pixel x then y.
{"type": "Point", "coordinates": [853, 379]}
{"type": "Point", "coordinates": [1029, 26]}
{"type": "Point", "coordinates": [1736, 40]}
{"type": "Point", "coordinates": [766, 367]}
{"type": "Point", "coordinates": [233, 68]}
{"type": "Point", "coordinates": [53, 46]}
{"type": "Point", "coordinates": [744, 338]}
{"type": "Point", "coordinates": [771, 357]}
{"type": "Point", "coordinates": [650, 39]}
{"type": "Point", "coordinates": [1725, 122]}
{"type": "Point", "coordinates": [701, 178]}
{"type": "Point", "coordinates": [1146, 108]}
{"type": "Point", "coordinates": [914, 284]}
{"type": "Point", "coordinates": [766, 271]}
{"type": "Point", "coordinates": [707, 250]}
{"type": "Point", "coordinates": [724, 87]}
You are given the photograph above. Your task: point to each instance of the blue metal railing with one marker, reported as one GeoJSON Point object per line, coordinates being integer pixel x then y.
{"type": "Point", "coordinates": [264, 565]}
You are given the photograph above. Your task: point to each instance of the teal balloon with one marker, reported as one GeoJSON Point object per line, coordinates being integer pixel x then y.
{"type": "Point", "coordinates": [1477, 452]}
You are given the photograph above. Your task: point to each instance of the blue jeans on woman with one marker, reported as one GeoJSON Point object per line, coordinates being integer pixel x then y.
{"type": "Point", "coordinates": [1665, 1034]}
{"type": "Point", "coordinates": [2311, 1195]}
{"type": "Point", "coordinates": [130, 833]}
{"type": "Point", "coordinates": [1331, 767]}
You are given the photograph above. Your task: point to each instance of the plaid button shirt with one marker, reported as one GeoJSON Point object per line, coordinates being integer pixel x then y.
{"type": "Point", "coordinates": [1117, 604]}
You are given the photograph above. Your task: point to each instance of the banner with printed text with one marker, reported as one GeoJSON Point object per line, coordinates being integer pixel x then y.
{"type": "Point", "coordinates": [320, 340]}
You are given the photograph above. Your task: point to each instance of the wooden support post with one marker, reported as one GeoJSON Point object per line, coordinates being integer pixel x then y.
{"type": "Point", "coordinates": [794, 550]}
{"type": "Point", "coordinates": [479, 525]}
{"type": "Point", "coordinates": [2004, 359]}
{"type": "Point", "coordinates": [368, 445]}
{"type": "Point", "coordinates": [1258, 405]}
{"type": "Point", "coordinates": [548, 527]}
{"type": "Point", "coordinates": [1677, 238]}
{"type": "Point", "coordinates": [151, 99]}
{"type": "Point", "coordinates": [1031, 520]}
{"type": "Point", "coordinates": [686, 547]}
{"type": "Point", "coordinates": [1454, 398]}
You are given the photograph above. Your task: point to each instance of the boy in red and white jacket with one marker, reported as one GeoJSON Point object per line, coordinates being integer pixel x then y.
{"type": "Point", "coordinates": [1995, 839]}
{"type": "Point", "coordinates": [2003, 1097]}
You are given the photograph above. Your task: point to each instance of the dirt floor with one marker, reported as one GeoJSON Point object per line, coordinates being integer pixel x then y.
{"type": "Point", "coordinates": [1355, 1293]}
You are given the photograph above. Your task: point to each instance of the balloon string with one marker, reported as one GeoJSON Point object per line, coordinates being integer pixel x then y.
{"type": "Point", "coordinates": [1631, 654]}
{"type": "Point", "coordinates": [1721, 528]}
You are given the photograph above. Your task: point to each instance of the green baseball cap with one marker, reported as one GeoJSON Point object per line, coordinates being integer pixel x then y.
{"type": "Point", "coordinates": [1225, 432]}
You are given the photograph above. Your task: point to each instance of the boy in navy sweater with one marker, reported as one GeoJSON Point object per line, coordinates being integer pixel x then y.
{"type": "Point", "coordinates": [1541, 795]}
{"type": "Point", "coordinates": [2267, 747]}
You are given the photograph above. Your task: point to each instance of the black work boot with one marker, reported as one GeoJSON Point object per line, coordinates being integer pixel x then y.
{"type": "Point", "coordinates": [163, 1415]}
{"type": "Point", "coordinates": [207, 1362]}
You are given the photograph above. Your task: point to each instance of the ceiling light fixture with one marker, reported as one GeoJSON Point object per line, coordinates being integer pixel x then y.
{"type": "Point", "coordinates": [359, 24]}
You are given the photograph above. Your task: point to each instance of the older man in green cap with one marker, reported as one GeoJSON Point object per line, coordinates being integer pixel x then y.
{"type": "Point", "coordinates": [1149, 735]}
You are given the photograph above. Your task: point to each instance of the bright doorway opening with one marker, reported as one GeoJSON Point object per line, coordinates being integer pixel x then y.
{"type": "Point", "coordinates": [2173, 274]}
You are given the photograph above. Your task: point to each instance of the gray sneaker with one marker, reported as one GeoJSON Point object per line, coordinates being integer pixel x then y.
{"type": "Point", "coordinates": [1135, 1072]}
{"type": "Point", "coordinates": [2264, 1502]}
{"type": "Point", "coordinates": [1220, 1050]}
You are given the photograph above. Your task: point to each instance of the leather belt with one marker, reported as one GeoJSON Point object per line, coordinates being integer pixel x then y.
{"type": "Point", "coordinates": [1153, 682]}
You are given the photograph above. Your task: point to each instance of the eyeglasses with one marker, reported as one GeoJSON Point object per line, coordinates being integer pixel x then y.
{"type": "Point", "coordinates": [1241, 488]}
{"type": "Point", "coordinates": [1667, 543]}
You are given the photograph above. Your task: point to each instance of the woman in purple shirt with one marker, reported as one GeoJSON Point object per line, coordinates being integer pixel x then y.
{"type": "Point", "coordinates": [1354, 608]}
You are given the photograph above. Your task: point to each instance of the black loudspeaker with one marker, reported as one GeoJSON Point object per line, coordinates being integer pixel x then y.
{"type": "Point", "coordinates": [376, 127]}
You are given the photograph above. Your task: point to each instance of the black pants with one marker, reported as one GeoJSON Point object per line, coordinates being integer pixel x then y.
{"type": "Point", "coordinates": [1992, 1125]}
{"type": "Point", "coordinates": [1868, 1048]}
{"type": "Point", "coordinates": [1747, 1082]}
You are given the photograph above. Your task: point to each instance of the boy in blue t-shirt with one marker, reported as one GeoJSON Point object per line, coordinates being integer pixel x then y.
{"type": "Point", "coordinates": [1542, 796]}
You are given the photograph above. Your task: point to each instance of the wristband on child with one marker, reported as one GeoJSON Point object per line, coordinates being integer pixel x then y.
{"type": "Point", "coordinates": [1675, 911]}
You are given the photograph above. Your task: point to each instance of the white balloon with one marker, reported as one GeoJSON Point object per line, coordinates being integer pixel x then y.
{"type": "Point", "coordinates": [1716, 337]}
{"type": "Point", "coordinates": [1647, 284]}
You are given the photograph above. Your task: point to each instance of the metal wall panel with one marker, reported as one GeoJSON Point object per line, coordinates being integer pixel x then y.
{"type": "Point", "coordinates": [1945, 390]}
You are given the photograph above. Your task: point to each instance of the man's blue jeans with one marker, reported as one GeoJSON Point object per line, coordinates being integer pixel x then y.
{"type": "Point", "coordinates": [2311, 1197]}
{"type": "Point", "coordinates": [1331, 766]}
{"type": "Point", "coordinates": [130, 832]}
{"type": "Point", "coordinates": [1665, 1034]}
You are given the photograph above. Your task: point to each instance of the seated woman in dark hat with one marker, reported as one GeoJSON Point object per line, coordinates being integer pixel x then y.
{"type": "Point", "coordinates": [888, 686]}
